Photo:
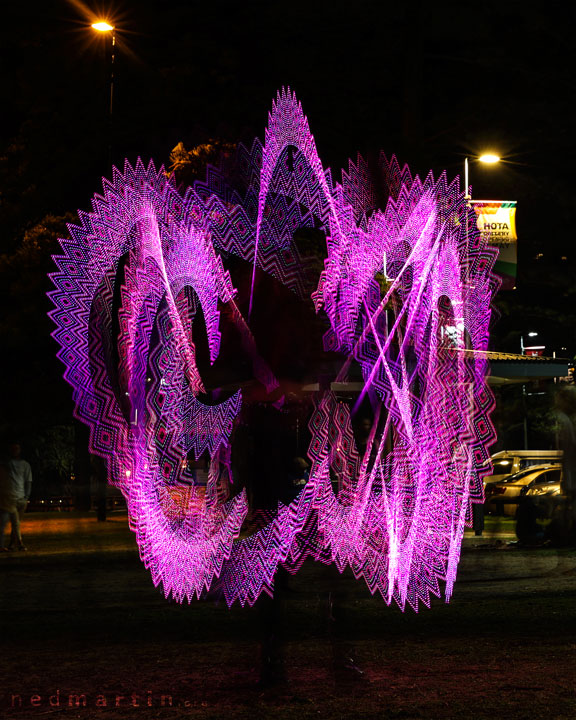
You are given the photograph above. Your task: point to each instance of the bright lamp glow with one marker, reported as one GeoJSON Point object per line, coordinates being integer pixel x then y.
{"type": "Point", "coordinates": [102, 26]}
{"type": "Point", "coordinates": [489, 159]}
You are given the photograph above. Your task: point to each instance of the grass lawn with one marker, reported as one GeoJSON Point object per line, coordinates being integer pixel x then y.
{"type": "Point", "coordinates": [80, 616]}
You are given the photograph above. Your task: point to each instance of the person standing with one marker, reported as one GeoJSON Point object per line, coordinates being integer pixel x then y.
{"type": "Point", "coordinates": [7, 504]}
{"type": "Point", "coordinates": [566, 441]}
{"type": "Point", "coordinates": [21, 481]}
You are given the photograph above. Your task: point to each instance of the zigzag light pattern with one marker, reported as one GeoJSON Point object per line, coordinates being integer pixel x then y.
{"type": "Point", "coordinates": [141, 263]}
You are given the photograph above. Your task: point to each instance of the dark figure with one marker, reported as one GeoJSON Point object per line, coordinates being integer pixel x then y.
{"type": "Point", "coordinates": [16, 494]}
{"type": "Point", "coordinates": [263, 458]}
{"type": "Point", "coordinates": [345, 669]}
{"type": "Point", "coordinates": [7, 503]}
{"type": "Point", "coordinates": [272, 438]}
{"type": "Point", "coordinates": [528, 530]}
{"type": "Point", "coordinates": [566, 441]}
{"type": "Point", "coordinates": [271, 623]}
{"type": "Point", "coordinates": [100, 481]}
{"type": "Point", "coordinates": [478, 518]}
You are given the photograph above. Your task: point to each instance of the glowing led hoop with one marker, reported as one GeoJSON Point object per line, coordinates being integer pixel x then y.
{"type": "Point", "coordinates": [399, 516]}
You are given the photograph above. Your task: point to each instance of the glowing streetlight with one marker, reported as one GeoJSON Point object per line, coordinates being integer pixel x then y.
{"type": "Point", "coordinates": [102, 26]}
{"type": "Point", "coordinates": [524, 347]}
{"type": "Point", "coordinates": [487, 159]}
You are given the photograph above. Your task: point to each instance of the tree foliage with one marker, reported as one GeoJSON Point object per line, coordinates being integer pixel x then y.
{"type": "Point", "coordinates": [32, 391]}
{"type": "Point", "coordinates": [187, 166]}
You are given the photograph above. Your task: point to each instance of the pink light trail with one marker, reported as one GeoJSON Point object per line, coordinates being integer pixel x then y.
{"type": "Point", "coordinates": [405, 291]}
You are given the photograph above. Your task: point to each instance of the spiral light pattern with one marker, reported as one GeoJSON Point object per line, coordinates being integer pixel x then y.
{"type": "Point", "coordinates": [148, 258]}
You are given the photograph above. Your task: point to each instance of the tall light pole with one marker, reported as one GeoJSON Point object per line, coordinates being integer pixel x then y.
{"type": "Point", "coordinates": [490, 159]}
{"type": "Point", "coordinates": [104, 27]}
{"type": "Point", "coordinates": [487, 159]}
{"type": "Point", "coordinates": [523, 347]}
{"type": "Point", "coordinates": [524, 393]}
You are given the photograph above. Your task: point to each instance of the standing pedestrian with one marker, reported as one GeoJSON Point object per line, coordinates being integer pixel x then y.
{"type": "Point", "coordinates": [21, 482]}
{"type": "Point", "coordinates": [7, 504]}
{"type": "Point", "coordinates": [566, 441]}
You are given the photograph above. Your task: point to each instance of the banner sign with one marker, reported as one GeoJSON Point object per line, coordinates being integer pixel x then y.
{"type": "Point", "coordinates": [496, 220]}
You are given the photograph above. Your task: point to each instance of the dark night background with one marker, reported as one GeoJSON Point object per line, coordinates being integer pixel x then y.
{"type": "Point", "coordinates": [432, 83]}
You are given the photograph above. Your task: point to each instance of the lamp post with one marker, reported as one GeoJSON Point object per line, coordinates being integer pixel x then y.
{"type": "Point", "coordinates": [524, 393]}
{"type": "Point", "coordinates": [487, 159]}
{"type": "Point", "coordinates": [523, 346]}
{"type": "Point", "coordinates": [93, 465]}
{"type": "Point", "coordinates": [104, 27]}
{"type": "Point", "coordinates": [490, 159]}
{"type": "Point", "coordinates": [107, 30]}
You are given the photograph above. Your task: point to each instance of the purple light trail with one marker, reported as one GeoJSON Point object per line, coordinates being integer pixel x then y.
{"type": "Point", "coordinates": [398, 515]}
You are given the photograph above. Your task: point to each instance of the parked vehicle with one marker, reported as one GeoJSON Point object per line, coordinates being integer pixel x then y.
{"type": "Point", "coordinates": [548, 485]}
{"type": "Point", "coordinates": [510, 462]}
{"type": "Point", "coordinates": [503, 496]}
{"type": "Point", "coordinates": [544, 513]}
{"type": "Point", "coordinates": [545, 492]}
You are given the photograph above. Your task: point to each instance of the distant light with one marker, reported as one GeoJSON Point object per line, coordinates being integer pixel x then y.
{"type": "Point", "coordinates": [102, 26]}
{"type": "Point", "coordinates": [532, 334]}
{"type": "Point", "coordinates": [489, 158]}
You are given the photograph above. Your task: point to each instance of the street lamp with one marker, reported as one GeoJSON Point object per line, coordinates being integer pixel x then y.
{"type": "Point", "coordinates": [104, 27]}
{"type": "Point", "coordinates": [523, 347]}
{"type": "Point", "coordinates": [477, 508]}
{"type": "Point", "coordinates": [487, 159]}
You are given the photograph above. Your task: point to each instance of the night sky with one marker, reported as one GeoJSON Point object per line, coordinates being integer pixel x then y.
{"type": "Point", "coordinates": [429, 82]}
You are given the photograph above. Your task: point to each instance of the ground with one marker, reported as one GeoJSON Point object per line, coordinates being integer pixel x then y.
{"type": "Point", "coordinates": [80, 616]}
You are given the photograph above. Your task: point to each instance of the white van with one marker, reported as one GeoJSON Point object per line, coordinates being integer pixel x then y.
{"type": "Point", "coordinates": [508, 462]}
